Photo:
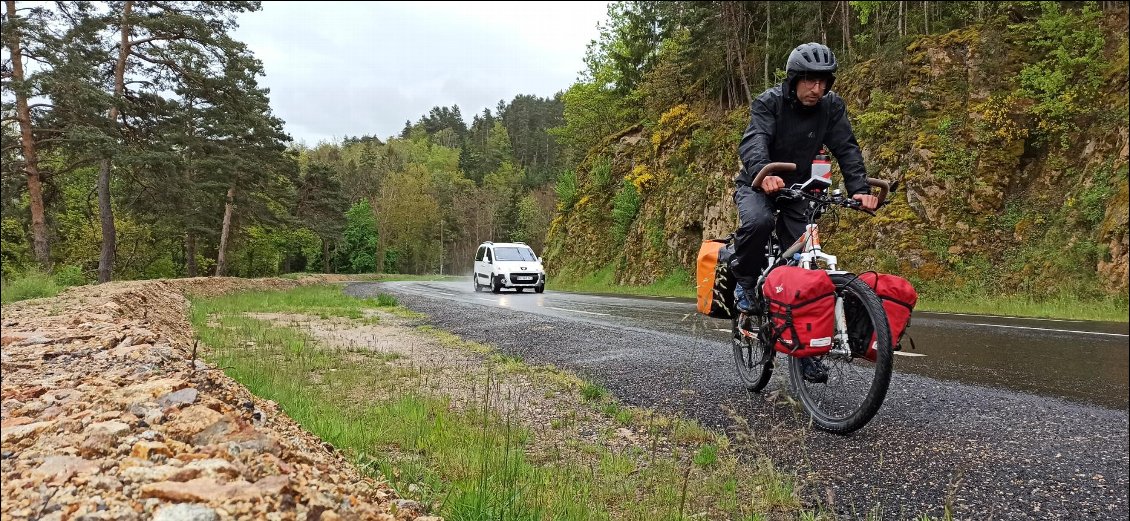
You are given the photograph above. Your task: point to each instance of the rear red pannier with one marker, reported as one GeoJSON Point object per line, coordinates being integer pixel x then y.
{"type": "Point", "coordinates": [898, 298]}
{"type": "Point", "coordinates": [802, 306]}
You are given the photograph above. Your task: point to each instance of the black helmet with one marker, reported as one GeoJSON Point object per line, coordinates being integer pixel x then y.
{"type": "Point", "coordinates": [811, 57]}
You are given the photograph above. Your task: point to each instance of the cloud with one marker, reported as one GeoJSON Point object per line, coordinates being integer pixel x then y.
{"type": "Point", "coordinates": [356, 68]}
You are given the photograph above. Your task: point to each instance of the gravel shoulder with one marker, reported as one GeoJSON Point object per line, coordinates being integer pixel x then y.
{"type": "Point", "coordinates": [935, 445]}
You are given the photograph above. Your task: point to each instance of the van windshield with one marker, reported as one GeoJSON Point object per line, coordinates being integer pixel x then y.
{"type": "Point", "coordinates": [514, 254]}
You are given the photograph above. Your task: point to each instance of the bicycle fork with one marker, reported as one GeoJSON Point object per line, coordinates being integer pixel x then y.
{"type": "Point", "coordinates": [841, 346]}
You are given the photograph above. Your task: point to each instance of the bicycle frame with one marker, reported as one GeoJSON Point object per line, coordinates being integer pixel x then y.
{"type": "Point", "coordinates": [808, 245]}
{"type": "Point", "coordinates": [810, 252]}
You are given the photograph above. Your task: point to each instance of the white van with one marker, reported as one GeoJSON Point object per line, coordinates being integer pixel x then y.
{"type": "Point", "coordinates": [507, 265]}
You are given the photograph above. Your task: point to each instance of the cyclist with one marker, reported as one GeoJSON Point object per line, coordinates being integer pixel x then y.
{"type": "Point", "coordinates": [791, 123]}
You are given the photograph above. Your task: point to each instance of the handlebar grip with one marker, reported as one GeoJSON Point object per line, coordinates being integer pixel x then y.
{"type": "Point", "coordinates": [770, 169]}
{"type": "Point", "coordinates": [884, 189]}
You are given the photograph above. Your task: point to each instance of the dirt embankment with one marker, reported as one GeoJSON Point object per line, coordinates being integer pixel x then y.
{"type": "Point", "coordinates": [106, 414]}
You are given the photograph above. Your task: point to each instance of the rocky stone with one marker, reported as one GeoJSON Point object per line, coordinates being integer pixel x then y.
{"type": "Point", "coordinates": [19, 432]}
{"type": "Point", "coordinates": [185, 396]}
{"type": "Point", "coordinates": [109, 428]}
{"type": "Point", "coordinates": [97, 444]}
{"type": "Point", "coordinates": [213, 468]}
{"type": "Point", "coordinates": [60, 468]}
{"type": "Point", "coordinates": [185, 512]}
{"type": "Point", "coordinates": [192, 421]}
{"type": "Point", "coordinates": [144, 449]}
{"type": "Point", "coordinates": [200, 489]}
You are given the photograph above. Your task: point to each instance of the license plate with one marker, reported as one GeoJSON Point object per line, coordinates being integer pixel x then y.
{"type": "Point", "coordinates": [523, 278]}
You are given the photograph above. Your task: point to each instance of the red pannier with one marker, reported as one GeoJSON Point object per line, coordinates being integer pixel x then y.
{"type": "Point", "coordinates": [899, 298]}
{"type": "Point", "coordinates": [802, 306]}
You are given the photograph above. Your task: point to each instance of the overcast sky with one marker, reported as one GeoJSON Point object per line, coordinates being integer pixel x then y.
{"type": "Point", "coordinates": [364, 68]}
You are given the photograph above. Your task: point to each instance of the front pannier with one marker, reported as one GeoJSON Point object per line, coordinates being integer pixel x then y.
{"type": "Point", "coordinates": [802, 307]}
{"type": "Point", "coordinates": [715, 284]}
{"type": "Point", "coordinates": [899, 298]}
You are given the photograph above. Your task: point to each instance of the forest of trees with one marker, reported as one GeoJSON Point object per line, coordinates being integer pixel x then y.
{"type": "Point", "coordinates": [137, 142]}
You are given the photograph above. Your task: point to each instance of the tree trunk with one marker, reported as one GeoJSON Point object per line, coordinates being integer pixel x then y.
{"type": "Point", "coordinates": [744, 34]}
{"type": "Point", "coordinates": [326, 256]}
{"type": "Point", "coordinates": [106, 215]}
{"type": "Point", "coordinates": [190, 254]}
{"type": "Point", "coordinates": [225, 232]}
{"type": "Point", "coordinates": [902, 18]}
{"type": "Point", "coordinates": [845, 13]}
{"type": "Point", "coordinates": [878, 26]}
{"type": "Point", "coordinates": [40, 246]}
{"type": "Point", "coordinates": [823, 30]}
{"type": "Point", "coordinates": [105, 210]}
{"type": "Point", "coordinates": [768, 22]}
{"type": "Point", "coordinates": [926, 15]}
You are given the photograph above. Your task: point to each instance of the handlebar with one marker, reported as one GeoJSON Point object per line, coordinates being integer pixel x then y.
{"type": "Point", "coordinates": [773, 168]}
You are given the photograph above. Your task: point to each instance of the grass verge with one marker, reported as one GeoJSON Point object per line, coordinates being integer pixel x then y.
{"type": "Point", "coordinates": [38, 284]}
{"type": "Point", "coordinates": [472, 462]}
{"type": "Point", "coordinates": [677, 284]}
{"type": "Point", "coordinates": [1105, 310]}
{"type": "Point", "coordinates": [386, 277]}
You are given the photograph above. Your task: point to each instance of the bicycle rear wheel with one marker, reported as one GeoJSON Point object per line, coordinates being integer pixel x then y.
{"type": "Point", "coordinates": [856, 387]}
{"type": "Point", "coordinates": [753, 356]}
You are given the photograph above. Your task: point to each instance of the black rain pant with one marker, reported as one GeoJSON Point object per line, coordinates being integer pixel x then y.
{"type": "Point", "coordinates": [759, 214]}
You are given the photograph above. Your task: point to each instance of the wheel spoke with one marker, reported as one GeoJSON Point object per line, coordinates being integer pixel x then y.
{"type": "Point", "coordinates": [855, 387]}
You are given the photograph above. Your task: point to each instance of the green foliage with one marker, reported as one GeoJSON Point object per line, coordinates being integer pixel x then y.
{"type": "Point", "coordinates": [601, 173]}
{"type": "Point", "coordinates": [877, 119]}
{"type": "Point", "coordinates": [706, 456]}
{"type": "Point", "coordinates": [359, 239]}
{"type": "Point", "coordinates": [592, 112]}
{"type": "Point", "coordinates": [955, 158]}
{"type": "Point", "coordinates": [28, 285]}
{"type": "Point", "coordinates": [592, 392]}
{"type": "Point", "coordinates": [1066, 66]}
{"type": "Point", "coordinates": [66, 275]}
{"type": "Point", "coordinates": [15, 250]}
{"type": "Point", "coordinates": [624, 208]}
{"type": "Point", "coordinates": [386, 300]}
{"type": "Point", "coordinates": [567, 190]}
{"type": "Point", "coordinates": [1094, 197]}
{"type": "Point", "coordinates": [259, 252]}
{"type": "Point", "coordinates": [535, 212]}
{"type": "Point", "coordinates": [655, 235]}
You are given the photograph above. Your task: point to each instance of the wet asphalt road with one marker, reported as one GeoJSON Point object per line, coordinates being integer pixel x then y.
{"type": "Point", "coordinates": [999, 418]}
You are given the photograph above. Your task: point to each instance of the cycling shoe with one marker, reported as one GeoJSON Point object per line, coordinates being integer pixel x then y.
{"type": "Point", "coordinates": [743, 299]}
{"type": "Point", "coordinates": [813, 371]}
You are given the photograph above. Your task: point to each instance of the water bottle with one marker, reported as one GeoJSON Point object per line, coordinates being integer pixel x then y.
{"type": "Point", "coordinates": [821, 170]}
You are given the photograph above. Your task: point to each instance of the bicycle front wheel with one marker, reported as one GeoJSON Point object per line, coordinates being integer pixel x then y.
{"type": "Point", "coordinates": [855, 387]}
{"type": "Point", "coordinates": [752, 355]}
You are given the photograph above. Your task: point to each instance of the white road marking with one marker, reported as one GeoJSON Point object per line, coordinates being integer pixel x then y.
{"type": "Point", "coordinates": [1002, 316]}
{"type": "Point", "coordinates": [723, 330]}
{"type": "Point", "coordinates": [901, 353]}
{"type": "Point", "coordinates": [579, 311]}
{"type": "Point", "coordinates": [1053, 330]}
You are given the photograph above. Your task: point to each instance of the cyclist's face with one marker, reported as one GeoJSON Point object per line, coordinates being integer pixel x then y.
{"type": "Point", "coordinates": [809, 89]}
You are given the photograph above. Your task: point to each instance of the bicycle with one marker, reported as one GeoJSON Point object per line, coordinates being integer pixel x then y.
{"type": "Point", "coordinates": [855, 386]}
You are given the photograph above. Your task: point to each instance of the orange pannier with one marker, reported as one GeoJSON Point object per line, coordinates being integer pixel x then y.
{"type": "Point", "coordinates": [714, 282]}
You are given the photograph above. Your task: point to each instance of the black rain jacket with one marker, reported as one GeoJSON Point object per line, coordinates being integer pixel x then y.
{"type": "Point", "coordinates": [793, 139]}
